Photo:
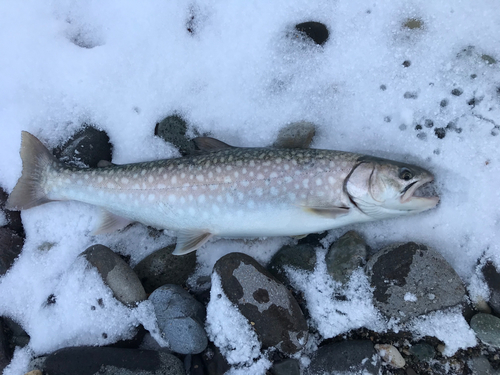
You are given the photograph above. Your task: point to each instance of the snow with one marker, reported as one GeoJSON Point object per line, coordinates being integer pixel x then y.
{"type": "Point", "coordinates": [239, 76]}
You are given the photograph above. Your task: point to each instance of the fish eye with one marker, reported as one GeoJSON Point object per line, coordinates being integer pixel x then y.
{"type": "Point", "coordinates": [405, 174]}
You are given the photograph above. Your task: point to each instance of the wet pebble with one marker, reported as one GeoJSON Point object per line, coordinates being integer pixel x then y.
{"type": "Point", "coordinates": [481, 366]}
{"type": "Point", "coordinates": [5, 352]}
{"type": "Point", "coordinates": [161, 267]}
{"type": "Point", "coordinates": [356, 356]}
{"type": "Point", "coordinates": [173, 129]}
{"type": "Point", "coordinates": [180, 319]}
{"type": "Point", "coordinates": [289, 366]}
{"type": "Point", "coordinates": [296, 135]}
{"type": "Point", "coordinates": [116, 274]}
{"type": "Point", "coordinates": [269, 306]}
{"type": "Point", "coordinates": [487, 329]}
{"type": "Point", "coordinates": [492, 278]}
{"type": "Point", "coordinates": [299, 257]}
{"type": "Point", "coordinates": [423, 351]}
{"type": "Point", "coordinates": [390, 355]}
{"type": "Point", "coordinates": [346, 255]}
{"type": "Point", "coordinates": [412, 279]}
{"type": "Point", "coordinates": [89, 360]}
{"type": "Point", "coordinates": [10, 247]}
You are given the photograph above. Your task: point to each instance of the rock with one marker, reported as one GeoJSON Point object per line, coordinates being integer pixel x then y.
{"type": "Point", "coordinates": [289, 366]}
{"type": "Point", "coordinates": [317, 31]}
{"type": "Point", "coordinates": [346, 255]}
{"type": "Point", "coordinates": [268, 305]}
{"type": "Point", "coordinates": [457, 92]}
{"type": "Point", "coordinates": [413, 23]}
{"type": "Point", "coordinates": [5, 352]}
{"type": "Point", "coordinates": [87, 146]}
{"type": "Point", "coordinates": [296, 135]}
{"type": "Point", "coordinates": [173, 130]}
{"type": "Point", "coordinates": [411, 279]}
{"type": "Point", "coordinates": [390, 355]}
{"type": "Point", "coordinates": [10, 247]}
{"type": "Point", "coordinates": [423, 352]}
{"type": "Point", "coordinates": [13, 218]}
{"type": "Point", "coordinates": [355, 356]}
{"type": "Point", "coordinates": [161, 267]}
{"type": "Point", "coordinates": [90, 360]}
{"type": "Point", "coordinates": [116, 274]}
{"type": "Point", "coordinates": [301, 257]}
{"type": "Point", "coordinates": [492, 278]}
{"type": "Point", "coordinates": [481, 366]}
{"type": "Point", "coordinates": [440, 132]}
{"type": "Point", "coordinates": [180, 318]}
{"type": "Point", "coordinates": [487, 329]}
{"type": "Point", "coordinates": [214, 361]}
{"type": "Point", "coordinates": [17, 335]}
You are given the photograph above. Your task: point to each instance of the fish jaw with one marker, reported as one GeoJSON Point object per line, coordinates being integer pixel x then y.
{"type": "Point", "coordinates": [418, 204]}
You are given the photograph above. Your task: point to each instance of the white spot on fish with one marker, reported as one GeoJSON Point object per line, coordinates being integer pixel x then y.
{"type": "Point", "coordinates": [305, 183]}
{"type": "Point", "coordinates": [240, 195]}
{"type": "Point", "coordinates": [210, 175]}
{"type": "Point", "coordinates": [286, 167]}
{"type": "Point", "coordinates": [201, 199]}
{"type": "Point", "coordinates": [125, 180]}
{"type": "Point", "coordinates": [227, 179]}
{"type": "Point", "coordinates": [143, 197]}
{"type": "Point", "coordinates": [151, 197]}
{"type": "Point", "coordinates": [172, 198]}
{"type": "Point", "coordinates": [100, 179]}
{"type": "Point", "coordinates": [244, 183]}
{"type": "Point", "coordinates": [239, 163]}
{"type": "Point", "coordinates": [251, 174]}
{"type": "Point", "coordinates": [190, 197]}
{"type": "Point", "coordinates": [191, 211]}
{"type": "Point", "coordinates": [228, 168]}
{"type": "Point", "coordinates": [219, 198]}
{"type": "Point", "coordinates": [218, 169]}
{"type": "Point", "coordinates": [161, 186]}
{"type": "Point", "coordinates": [274, 191]}
{"type": "Point", "coordinates": [183, 175]}
{"type": "Point", "coordinates": [143, 172]}
{"type": "Point", "coordinates": [215, 208]}
{"type": "Point", "coordinates": [319, 182]}
{"type": "Point", "coordinates": [259, 192]}
{"type": "Point", "coordinates": [291, 196]}
{"type": "Point", "coordinates": [182, 200]}
{"type": "Point", "coordinates": [110, 185]}
{"type": "Point", "coordinates": [200, 177]}
{"type": "Point", "coordinates": [331, 180]}
{"type": "Point", "coordinates": [251, 163]}
{"type": "Point", "coordinates": [273, 175]}
{"type": "Point", "coordinates": [135, 175]}
{"type": "Point", "coordinates": [260, 176]}
{"type": "Point", "coordinates": [251, 204]}
{"type": "Point", "coordinates": [244, 171]}
{"type": "Point", "coordinates": [288, 179]}
{"type": "Point", "coordinates": [151, 179]}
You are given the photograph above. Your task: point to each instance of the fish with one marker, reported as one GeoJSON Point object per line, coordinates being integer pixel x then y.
{"type": "Point", "coordinates": [227, 191]}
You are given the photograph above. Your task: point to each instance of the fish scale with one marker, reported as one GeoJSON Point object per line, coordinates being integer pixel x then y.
{"type": "Point", "coordinates": [224, 191]}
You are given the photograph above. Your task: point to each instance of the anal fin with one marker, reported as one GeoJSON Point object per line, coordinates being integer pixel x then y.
{"type": "Point", "coordinates": [110, 222]}
{"type": "Point", "coordinates": [188, 241]}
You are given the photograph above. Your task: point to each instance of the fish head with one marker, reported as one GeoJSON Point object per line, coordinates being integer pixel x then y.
{"type": "Point", "coordinates": [384, 188]}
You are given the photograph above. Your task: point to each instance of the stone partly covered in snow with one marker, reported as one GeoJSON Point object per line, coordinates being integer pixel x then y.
{"type": "Point", "coordinates": [346, 255]}
{"type": "Point", "coordinates": [316, 31]}
{"type": "Point", "coordinates": [481, 366]}
{"type": "Point", "coordinates": [89, 360]}
{"type": "Point", "coordinates": [289, 366]}
{"type": "Point", "coordinates": [423, 351]}
{"type": "Point", "coordinates": [268, 305]}
{"type": "Point", "coordinates": [161, 267]}
{"type": "Point", "coordinates": [10, 247]}
{"type": "Point", "coordinates": [116, 274]}
{"type": "Point", "coordinates": [492, 278]}
{"type": "Point", "coordinates": [299, 257]}
{"type": "Point", "coordinates": [296, 135]}
{"type": "Point", "coordinates": [10, 219]}
{"type": "Point", "coordinates": [88, 146]}
{"type": "Point", "coordinates": [353, 357]}
{"type": "Point", "coordinates": [487, 329]}
{"type": "Point", "coordinates": [173, 130]}
{"type": "Point", "coordinates": [411, 279]}
{"type": "Point", "coordinates": [390, 355]}
{"type": "Point", "coordinates": [180, 319]}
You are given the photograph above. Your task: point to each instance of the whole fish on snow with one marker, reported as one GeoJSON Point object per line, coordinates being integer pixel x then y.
{"type": "Point", "coordinates": [229, 191]}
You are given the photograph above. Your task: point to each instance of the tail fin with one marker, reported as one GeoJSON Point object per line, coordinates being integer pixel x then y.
{"type": "Point", "coordinates": [28, 191]}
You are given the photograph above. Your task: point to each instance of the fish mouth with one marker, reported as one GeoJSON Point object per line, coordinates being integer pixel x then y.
{"type": "Point", "coordinates": [421, 194]}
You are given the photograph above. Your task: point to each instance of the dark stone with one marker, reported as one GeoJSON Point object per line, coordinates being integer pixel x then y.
{"type": "Point", "coordinates": [492, 278]}
{"type": "Point", "coordinates": [429, 123]}
{"type": "Point", "coordinates": [406, 63]}
{"type": "Point", "coordinates": [418, 127]}
{"type": "Point", "coordinates": [487, 329]}
{"type": "Point", "coordinates": [296, 135]}
{"type": "Point", "coordinates": [173, 130]}
{"type": "Point", "coordinates": [457, 92]}
{"type": "Point", "coordinates": [440, 132]}
{"type": "Point", "coordinates": [90, 360]}
{"type": "Point", "coordinates": [5, 352]}
{"type": "Point", "coordinates": [481, 366]}
{"type": "Point", "coordinates": [301, 257]}
{"type": "Point", "coordinates": [443, 103]}
{"type": "Point", "coordinates": [383, 87]}
{"type": "Point", "coordinates": [313, 239]}
{"type": "Point", "coordinates": [279, 322]}
{"type": "Point", "coordinates": [16, 334]}
{"type": "Point", "coordinates": [387, 118]}
{"type": "Point", "coordinates": [13, 217]}
{"type": "Point", "coordinates": [180, 319]}
{"type": "Point", "coordinates": [423, 352]}
{"type": "Point", "coordinates": [116, 274]}
{"type": "Point", "coordinates": [10, 248]}
{"type": "Point", "coordinates": [88, 146]}
{"type": "Point", "coordinates": [317, 31]}
{"type": "Point", "coordinates": [134, 342]}
{"type": "Point", "coordinates": [410, 95]}
{"type": "Point", "coordinates": [411, 279]}
{"type": "Point", "coordinates": [488, 59]}
{"type": "Point", "coordinates": [161, 267]}
{"type": "Point", "coordinates": [422, 136]}
{"type": "Point", "coordinates": [346, 255]}
{"type": "Point", "coordinates": [214, 361]}
{"type": "Point", "coordinates": [289, 366]}
{"type": "Point", "coordinates": [413, 23]}
{"type": "Point", "coordinates": [356, 356]}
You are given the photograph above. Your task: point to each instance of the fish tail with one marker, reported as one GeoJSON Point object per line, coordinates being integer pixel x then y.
{"type": "Point", "coordinates": [37, 160]}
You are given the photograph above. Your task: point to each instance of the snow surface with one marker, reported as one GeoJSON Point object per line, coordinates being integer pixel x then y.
{"type": "Point", "coordinates": [240, 76]}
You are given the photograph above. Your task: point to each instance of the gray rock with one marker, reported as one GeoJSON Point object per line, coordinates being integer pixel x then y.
{"type": "Point", "coordinates": [356, 356]}
{"type": "Point", "coordinates": [161, 267]}
{"type": "Point", "coordinates": [89, 360]}
{"type": "Point", "coordinates": [423, 351]}
{"type": "Point", "coordinates": [487, 329]}
{"type": "Point", "coordinates": [346, 255]}
{"type": "Point", "coordinates": [180, 318]}
{"type": "Point", "coordinates": [10, 248]}
{"type": "Point", "coordinates": [492, 278]}
{"type": "Point", "coordinates": [316, 31]}
{"type": "Point", "coordinates": [214, 361]}
{"type": "Point", "coordinates": [411, 279]}
{"type": "Point", "coordinates": [481, 366]}
{"type": "Point", "coordinates": [301, 257]}
{"type": "Point", "coordinates": [116, 274]}
{"type": "Point", "coordinates": [289, 366]}
{"type": "Point", "coordinates": [13, 217]}
{"type": "Point", "coordinates": [296, 135]}
{"type": "Point", "coordinates": [19, 336]}
{"type": "Point", "coordinates": [270, 307]}
{"type": "Point", "coordinates": [87, 146]}
{"type": "Point", "coordinates": [173, 130]}
{"type": "Point", "coordinates": [5, 352]}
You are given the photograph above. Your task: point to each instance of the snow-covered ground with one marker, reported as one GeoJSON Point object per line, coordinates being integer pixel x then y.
{"type": "Point", "coordinates": [240, 76]}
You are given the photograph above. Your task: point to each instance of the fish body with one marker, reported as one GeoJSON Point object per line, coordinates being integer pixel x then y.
{"type": "Point", "coordinates": [228, 191]}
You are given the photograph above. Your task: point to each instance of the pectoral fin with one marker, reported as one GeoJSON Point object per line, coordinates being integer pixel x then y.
{"type": "Point", "coordinates": [110, 222]}
{"type": "Point", "coordinates": [331, 212]}
{"type": "Point", "coordinates": [188, 241]}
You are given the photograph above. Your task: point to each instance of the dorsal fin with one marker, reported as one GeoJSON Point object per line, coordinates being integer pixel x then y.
{"type": "Point", "coordinates": [209, 144]}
